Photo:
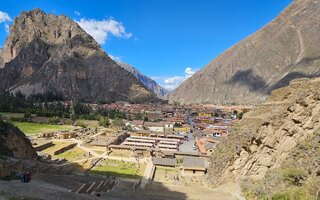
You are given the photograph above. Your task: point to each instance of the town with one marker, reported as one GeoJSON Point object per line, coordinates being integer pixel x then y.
{"type": "Point", "coordinates": [152, 143]}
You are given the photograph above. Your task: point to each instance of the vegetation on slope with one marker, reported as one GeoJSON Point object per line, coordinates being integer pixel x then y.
{"type": "Point", "coordinates": [297, 178]}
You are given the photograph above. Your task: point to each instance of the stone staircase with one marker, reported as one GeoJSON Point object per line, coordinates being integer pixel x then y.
{"type": "Point", "coordinates": [105, 186]}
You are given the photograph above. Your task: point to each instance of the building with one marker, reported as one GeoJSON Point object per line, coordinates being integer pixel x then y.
{"type": "Point", "coordinates": [184, 128]}
{"type": "Point", "coordinates": [159, 126]}
{"type": "Point", "coordinates": [136, 125]}
{"type": "Point", "coordinates": [165, 162]}
{"type": "Point", "coordinates": [193, 166]}
{"type": "Point", "coordinates": [205, 114]}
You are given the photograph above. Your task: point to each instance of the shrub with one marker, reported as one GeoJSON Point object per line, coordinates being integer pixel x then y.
{"type": "Point", "coordinates": [54, 120]}
{"type": "Point", "coordinates": [104, 121]}
{"type": "Point", "coordinates": [83, 125]}
{"type": "Point", "coordinates": [294, 176]}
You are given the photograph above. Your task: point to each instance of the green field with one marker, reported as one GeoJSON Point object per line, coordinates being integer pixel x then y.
{"type": "Point", "coordinates": [35, 128]}
{"type": "Point", "coordinates": [119, 169]}
{"type": "Point", "coordinates": [72, 155]}
{"type": "Point", "coordinates": [9, 115]}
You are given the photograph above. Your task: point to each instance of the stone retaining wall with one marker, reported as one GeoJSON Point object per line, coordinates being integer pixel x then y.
{"type": "Point", "coordinates": [62, 150]}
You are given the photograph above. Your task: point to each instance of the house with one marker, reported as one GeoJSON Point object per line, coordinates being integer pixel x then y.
{"type": "Point", "coordinates": [165, 162]}
{"type": "Point", "coordinates": [136, 125]}
{"type": "Point", "coordinates": [193, 166]}
{"type": "Point", "coordinates": [155, 126]}
{"type": "Point", "coordinates": [158, 126]}
{"type": "Point", "coordinates": [184, 128]}
{"type": "Point", "coordinates": [210, 147]}
{"type": "Point", "coordinates": [207, 145]}
{"type": "Point", "coordinates": [205, 114]}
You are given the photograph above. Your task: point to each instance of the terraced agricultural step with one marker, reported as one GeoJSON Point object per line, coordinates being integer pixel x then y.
{"type": "Point", "coordinates": [91, 188]}
{"type": "Point", "coordinates": [82, 189]}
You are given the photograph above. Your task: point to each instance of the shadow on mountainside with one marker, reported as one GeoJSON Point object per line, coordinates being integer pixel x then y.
{"type": "Point", "coordinates": [255, 83]}
{"type": "Point", "coordinates": [285, 81]}
{"type": "Point", "coordinates": [73, 181]}
{"type": "Point", "coordinates": [247, 78]}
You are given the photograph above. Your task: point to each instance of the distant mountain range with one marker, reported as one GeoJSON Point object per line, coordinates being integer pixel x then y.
{"type": "Point", "coordinates": [146, 81]}
{"type": "Point", "coordinates": [286, 48]}
{"type": "Point", "coordinates": [45, 52]}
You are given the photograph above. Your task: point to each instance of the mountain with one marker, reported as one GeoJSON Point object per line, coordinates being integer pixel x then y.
{"type": "Point", "coordinates": [146, 81]}
{"type": "Point", "coordinates": [13, 142]}
{"type": "Point", "coordinates": [276, 146]}
{"type": "Point", "coordinates": [284, 49]}
{"type": "Point", "coordinates": [45, 52]}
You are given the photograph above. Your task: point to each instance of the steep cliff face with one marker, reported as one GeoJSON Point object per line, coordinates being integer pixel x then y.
{"type": "Point", "coordinates": [146, 81]}
{"type": "Point", "coordinates": [13, 143]}
{"type": "Point", "coordinates": [286, 48]}
{"type": "Point", "coordinates": [267, 136]}
{"type": "Point", "coordinates": [47, 52]}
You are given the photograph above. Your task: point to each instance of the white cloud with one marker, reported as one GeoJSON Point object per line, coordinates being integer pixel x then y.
{"type": "Point", "coordinates": [172, 82]}
{"type": "Point", "coordinates": [100, 30]}
{"type": "Point", "coordinates": [115, 58]}
{"type": "Point", "coordinates": [4, 17]}
{"type": "Point", "coordinates": [7, 28]}
{"type": "Point", "coordinates": [189, 72]}
{"type": "Point", "coordinates": [77, 13]}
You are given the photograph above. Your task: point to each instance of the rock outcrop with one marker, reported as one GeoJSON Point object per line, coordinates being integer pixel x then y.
{"type": "Point", "coordinates": [267, 136]}
{"type": "Point", "coordinates": [285, 49]}
{"type": "Point", "coordinates": [45, 52]}
{"type": "Point", "coordinates": [146, 81]}
{"type": "Point", "coordinates": [13, 143]}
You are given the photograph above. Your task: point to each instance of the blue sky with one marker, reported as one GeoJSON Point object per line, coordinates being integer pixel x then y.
{"type": "Point", "coordinates": [167, 40]}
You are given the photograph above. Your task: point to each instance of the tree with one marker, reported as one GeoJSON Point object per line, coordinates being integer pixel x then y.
{"type": "Point", "coordinates": [104, 121]}
{"type": "Point", "coordinates": [240, 115]}
{"type": "Point", "coordinates": [177, 125]}
{"type": "Point", "coordinates": [118, 123]}
{"type": "Point", "coordinates": [72, 112]}
{"type": "Point", "coordinates": [27, 116]}
{"type": "Point", "coordinates": [83, 125]}
{"type": "Point", "coordinates": [138, 116]}
{"type": "Point", "coordinates": [54, 120]}
{"type": "Point", "coordinates": [145, 119]}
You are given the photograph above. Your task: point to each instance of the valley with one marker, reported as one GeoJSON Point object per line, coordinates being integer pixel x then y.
{"type": "Point", "coordinates": [78, 122]}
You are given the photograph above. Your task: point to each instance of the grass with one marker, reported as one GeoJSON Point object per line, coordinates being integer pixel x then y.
{"type": "Point", "coordinates": [35, 128]}
{"type": "Point", "coordinates": [99, 152]}
{"type": "Point", "coordinates": [72, 155]}
{"type": "Point", "coordinates": [167, 169]}
{"type": "Point", "coordinates": [89, 123]}
{"type": "Point", "coordinates": [119, 169]}
{"type": "Point", "coordinates": [9, 115]}
{"type": "Point", "coordinates": [57, 146]}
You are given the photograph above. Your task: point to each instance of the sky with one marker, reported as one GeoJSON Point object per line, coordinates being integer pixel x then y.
{"type": "Point", "coordinates": [167, 40]}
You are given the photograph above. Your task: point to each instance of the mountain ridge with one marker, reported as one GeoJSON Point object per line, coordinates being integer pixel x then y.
{"type": "Point", "coordinates": [268, 59]}
{"type": "Point", "coordinates": [145, 80]}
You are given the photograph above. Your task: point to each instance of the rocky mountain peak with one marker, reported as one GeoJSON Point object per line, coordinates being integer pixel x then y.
{"type": "Point", "coordinates": [45, 52]}
{"type": "Point", "coordinates": [51, 29]}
